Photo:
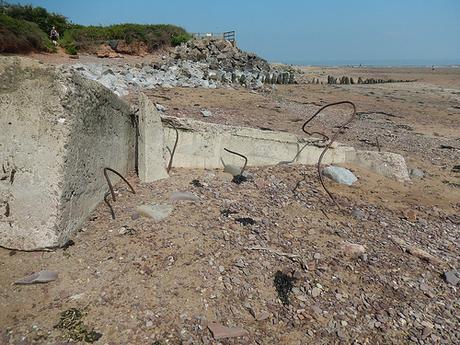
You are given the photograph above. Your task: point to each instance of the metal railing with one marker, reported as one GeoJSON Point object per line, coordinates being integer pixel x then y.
{"type": "Point", "coordinates": [228, 35]}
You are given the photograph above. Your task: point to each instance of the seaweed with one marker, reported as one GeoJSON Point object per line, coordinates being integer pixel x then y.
{"type": "Point", "coordinates": [283, 284]}
{"type": "Point", "coordinates": [245, 221]}
{"type": "Point", "coordinates": [74, 329]}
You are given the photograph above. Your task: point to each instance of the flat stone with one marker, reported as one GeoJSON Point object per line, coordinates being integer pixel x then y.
{"type": "Point", "coordinates": [186, 196]}
{"type": "Point", "coordinates": [220, 332]}
{"type": "Point", "coordinates": [156, 212]}
{"type": "Point", "coordinates": [340, 175]}
{"type": "Point", "coordinates": [38, 278]}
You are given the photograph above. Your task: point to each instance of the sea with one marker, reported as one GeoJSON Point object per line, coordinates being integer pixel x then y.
{"type": "Point", "coordinates": [439, 63]}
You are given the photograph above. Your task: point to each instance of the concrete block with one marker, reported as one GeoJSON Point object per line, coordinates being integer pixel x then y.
{"type": "Point", "coordinates": [201, 145]}
{"type": "Point", "coordinates": [386, 164]}
{"type": "Point", "coordinates": [57, 133]}
{"type": "Point", "coordinates": [151, 142]}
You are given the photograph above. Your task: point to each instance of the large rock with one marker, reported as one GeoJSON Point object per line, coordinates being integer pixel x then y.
{"type": "Point", "coordinates": [58, 131]}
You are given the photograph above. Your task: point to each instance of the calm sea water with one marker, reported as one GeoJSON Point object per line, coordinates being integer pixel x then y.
{"type": "Point", "coordinates": [377, 63]}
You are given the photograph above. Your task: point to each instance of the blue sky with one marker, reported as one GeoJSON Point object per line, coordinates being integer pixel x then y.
{"type": "Point", "coordinates": [296, 31]}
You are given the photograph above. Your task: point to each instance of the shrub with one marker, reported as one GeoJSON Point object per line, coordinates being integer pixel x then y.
{"type": "Point", "coordinates": [38, 15]}
{"type": "Point", "coordinates": [20, 36]}
{"type": "Point", "coordinates": [68, 43]}
{"type": "Point", "coordinates": [177, 40]}
{"type": "Point", "coordinates": [154, 36]}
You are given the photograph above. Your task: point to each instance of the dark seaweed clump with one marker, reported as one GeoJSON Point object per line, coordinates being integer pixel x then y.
{"type": "Point", "coordinates": [73, 327]}
{"type": "Point", "coordinates": [284, 284]}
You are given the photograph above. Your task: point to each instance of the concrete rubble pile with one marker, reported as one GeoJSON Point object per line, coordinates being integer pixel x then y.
{"type": "Point", "coordinates": [198, 63]}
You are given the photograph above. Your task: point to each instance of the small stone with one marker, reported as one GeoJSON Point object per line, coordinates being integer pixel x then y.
{"type": "Point", "coordinates": [315, 292]}
{"type": "Point", "coordinates": [353, 249]}
{"type": "Point", "coordinates": [206, 113]}
{"type": "Point", "coordinates": [262, 316]}
{"type": "Point", "coordinates": [317, 256]}
{"type": "Point", "coordinates": [358, 214]}
{"type": "Point", "coordinates": [160, 107]}
{"type": "Point", "coordinates": [410, 215]}
{"type": "Point", "coordinates": [221, 269]}
{"type": "Point", "coordinates": [452, 277]}
{"type": "Point", "coordinates": [417, 173]}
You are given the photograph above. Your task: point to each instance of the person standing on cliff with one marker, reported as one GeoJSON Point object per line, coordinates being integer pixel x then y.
{"type": "Point", "coordinates": [54, 35]}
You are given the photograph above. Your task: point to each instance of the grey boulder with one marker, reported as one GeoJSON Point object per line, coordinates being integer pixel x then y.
{"type": "Point", "coordinates": [340, 175]}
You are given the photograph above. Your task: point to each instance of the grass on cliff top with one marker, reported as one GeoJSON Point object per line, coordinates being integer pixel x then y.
{"type": "Point", "coordinates": [26, 28]}
{"type": "Point", "coordinates": [21, 36]}
{"type": "Point", "coordinates": [154, 36]}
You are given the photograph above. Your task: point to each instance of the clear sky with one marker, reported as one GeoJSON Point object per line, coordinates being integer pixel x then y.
{"type": "Point", "coordinates": [296, 31]}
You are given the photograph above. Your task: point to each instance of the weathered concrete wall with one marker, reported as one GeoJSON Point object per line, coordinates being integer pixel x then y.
{"type": "Point", "coordinates": [151, 142]}
{"type": "Point", "coordinates": [57, 133]}
{"type": "Point", "coordinates": [201, 145]}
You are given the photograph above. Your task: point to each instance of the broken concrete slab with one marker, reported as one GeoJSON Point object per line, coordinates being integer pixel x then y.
{"type": "Point", "coordinates": [201, 145]}
{"type": "Point", "coordinates": [383, 163]}
{"type": "Point", "coordinates": [150, 142]}
{"type": "Point", "coordinates": [58, 131]}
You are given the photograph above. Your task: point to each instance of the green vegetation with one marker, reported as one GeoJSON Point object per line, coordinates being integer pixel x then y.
{"type": "Point", "coordinates": [38, 15]}
{"type": "Point", "coordinates": [154, 36]}
{"type": "Point", "coordinates": [26, 28]}
{"type": "Point", "coordinates": [20, 36]}
{"type": "Point", "coordinates": [177, 40]}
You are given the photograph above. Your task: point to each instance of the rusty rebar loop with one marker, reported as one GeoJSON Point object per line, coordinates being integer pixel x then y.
{"type": "Point", "coordinates": [240, 155]}
{"type": "Point", "coordinates": [332, 140]}
{"type": "Point", "coordinates": [174, 147]}
{"type": "Point", "coordinates": [110, 183]}
{"type": "Point", "coordinates": [108, 204]}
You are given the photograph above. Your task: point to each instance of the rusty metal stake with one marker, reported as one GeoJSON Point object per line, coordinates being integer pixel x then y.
{"type": "Point", "coordinates": [108, 204]}
{"type": "Point", "coordinates": [110, 183]}
{"type": "Point", "coordinates": [332, 140]}
{"type": "Point", "coordinates": [240, 155]}
{"type": "Point", "coordinates": [168, 169]}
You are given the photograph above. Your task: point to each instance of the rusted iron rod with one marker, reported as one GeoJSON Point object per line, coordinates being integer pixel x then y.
{"type": "Point", "coordinates": [110, 183]}
{"type": "Point", "coordinates": [331, 141]}
{"type": "Point", "coordinates": [108, 204]}
{"type": "Point", "coordinates": [174, 147]}
{"type": "Point", "coordinates": [240, 155]}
